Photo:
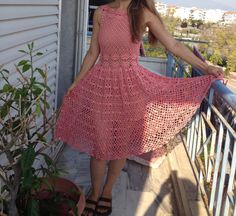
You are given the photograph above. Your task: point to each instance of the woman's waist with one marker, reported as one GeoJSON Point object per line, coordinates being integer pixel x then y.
{"type": "Point", "coordinates": [118, 60]}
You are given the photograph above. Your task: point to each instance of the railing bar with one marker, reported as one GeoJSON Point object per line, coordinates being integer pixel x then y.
{"type": "Point", "coordinates": [209, 122]}
{"type": "Point", "coordinates": [227, 125]}
{"type": "Point", "coordinates": [195, 137]}
{"type": "Point", "coordinates": [180, 69]}
{"type": "Point", "coordinates": [211, 155]}
{"type": "Point", "coordinates": [205, 142]}
{"type": "Point", "coordinates": [226, 94]}
{"type": "Point", "coordinates": [199, 134]}
{"type": "Point", "coordinates": [170, 64]}
{"type": "Point", "coordinates": [210, 101]}
{"type": "Point", "coordinates": [191, 139]}
{"type": "Point", "coordinates": [231, 197]}
{"type": "Point", "coordinates": [222, 175]}
{"type": "Point", "coordinates": [234, 209]}
{"type": "Point", "coordinates": [231, 179]}
{"type": "Point", "coordinates": [212, 146]}
{"type": "Point", "coordinates": [188, 138]}
{"type": "Point", "coordinates": [217, 165]}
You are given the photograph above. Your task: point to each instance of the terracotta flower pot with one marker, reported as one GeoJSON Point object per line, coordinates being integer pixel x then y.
{"type": "Point", "coordinates": [67, 190]}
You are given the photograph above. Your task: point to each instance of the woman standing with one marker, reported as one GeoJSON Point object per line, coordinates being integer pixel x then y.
{"type": "Point", "coordinates": [116, 108]}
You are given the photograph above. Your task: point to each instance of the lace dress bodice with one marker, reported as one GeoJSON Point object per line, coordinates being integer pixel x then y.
{"type": "Point", "coordinates": [116, 47]}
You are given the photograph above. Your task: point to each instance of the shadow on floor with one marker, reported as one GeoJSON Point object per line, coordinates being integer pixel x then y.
{"type": "Point", "coordinates": [139, 191]}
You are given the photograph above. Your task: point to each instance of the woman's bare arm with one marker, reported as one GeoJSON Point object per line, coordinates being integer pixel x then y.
{"type": "Point", "coordinates": [93, 52]}
{"type": "Point", "coordinates": [174, 46]}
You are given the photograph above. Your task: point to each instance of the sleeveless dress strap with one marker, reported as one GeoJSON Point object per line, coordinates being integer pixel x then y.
{"type": "Point", "coordinates": [102, 8]}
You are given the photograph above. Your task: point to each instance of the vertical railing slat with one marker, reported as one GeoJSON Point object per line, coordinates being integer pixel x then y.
{"type": "Point", "coordinates": [196, 134]}
{"type": "Point", "coordinates": [222, 175]}
{"type": "Point", "coordinates": [204, 138]}
{"type": "Point", "coordinates": [170, 64]}
{"type": "Point", "coordinates": [216, 168]}
{"type": "Point", "coordinates": [231, 180]}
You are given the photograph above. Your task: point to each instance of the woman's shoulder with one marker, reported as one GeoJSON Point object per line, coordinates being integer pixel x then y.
{"type": "Point", "coordinates": [148, 15]}
{"type": "Point", "coordinates": [104, 6]}
{"type": "Point", "coordinates": [99, 9]}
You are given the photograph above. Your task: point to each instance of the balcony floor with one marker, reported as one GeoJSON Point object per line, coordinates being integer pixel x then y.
{"type": "Point", "coordinates": [140, 190]}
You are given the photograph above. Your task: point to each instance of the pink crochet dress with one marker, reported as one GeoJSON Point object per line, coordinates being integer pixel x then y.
{"type": "Point", "coordinates": [120, 109]}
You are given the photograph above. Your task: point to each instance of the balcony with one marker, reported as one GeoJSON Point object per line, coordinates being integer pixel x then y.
{"type": "Point", "coordinates": [196, 178]}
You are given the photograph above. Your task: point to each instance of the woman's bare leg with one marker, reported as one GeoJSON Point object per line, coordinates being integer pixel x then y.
{"type": "Point", "coordinates": [97, 171]}
{"type": "Point", "coordinates": [114, 170]}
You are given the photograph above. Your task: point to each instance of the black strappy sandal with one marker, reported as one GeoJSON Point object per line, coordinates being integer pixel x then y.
{"type": "Point", "coordinates": [108, 209]}
{"type": "Point", "coordinates": [89, 209]}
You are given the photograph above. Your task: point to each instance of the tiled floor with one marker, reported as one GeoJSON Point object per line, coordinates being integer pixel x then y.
{"type": "Point", "coordinates": [139, 191]}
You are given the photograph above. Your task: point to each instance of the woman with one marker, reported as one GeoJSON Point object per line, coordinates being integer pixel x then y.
{"type": "Point", "coordinates": [116, 108]}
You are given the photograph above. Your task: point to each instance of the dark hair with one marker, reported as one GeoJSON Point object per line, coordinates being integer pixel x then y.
{"type": "Point", "coordinates": [135, 11]}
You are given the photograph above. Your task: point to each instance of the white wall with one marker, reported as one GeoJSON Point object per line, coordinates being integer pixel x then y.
{"type": "Point", "coordinates": [24, 21]}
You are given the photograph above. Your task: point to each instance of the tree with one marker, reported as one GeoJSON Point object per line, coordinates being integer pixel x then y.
{"type": "Point", "coordinates": [222, 45]}
{"type": "Point", "coordinates": [184, 24]}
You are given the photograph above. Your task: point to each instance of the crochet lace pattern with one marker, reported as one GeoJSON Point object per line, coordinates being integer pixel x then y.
{"type": "Point", "coordinates": [119, 108]}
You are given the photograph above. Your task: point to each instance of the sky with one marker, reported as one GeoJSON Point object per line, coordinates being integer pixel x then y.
{"type": "Point", "coordinates": [229, 5]}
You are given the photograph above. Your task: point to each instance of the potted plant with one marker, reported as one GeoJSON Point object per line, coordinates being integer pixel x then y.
{"type": "Point", "coordinates": [29, 177]}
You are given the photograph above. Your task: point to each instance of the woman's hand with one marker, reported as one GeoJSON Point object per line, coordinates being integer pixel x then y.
{"type": "Point", "coordinates": [72, 87]}
{"type": "Point", "coordinates": [214, 70]}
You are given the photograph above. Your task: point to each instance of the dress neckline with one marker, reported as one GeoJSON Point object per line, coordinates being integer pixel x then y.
{"type": "Point", "coordinates": [116, 10]}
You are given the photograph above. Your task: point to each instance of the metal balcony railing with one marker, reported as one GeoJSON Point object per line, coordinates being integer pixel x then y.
{"type": "Point", "coordinates": [210, 140]}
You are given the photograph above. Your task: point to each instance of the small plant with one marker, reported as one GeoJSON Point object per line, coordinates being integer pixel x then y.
{"type": "Point", "coordinates": [25, 124]}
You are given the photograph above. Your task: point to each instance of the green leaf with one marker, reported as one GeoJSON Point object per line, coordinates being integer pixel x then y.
{"type": "Point", "coordinates": [37, 110]}
{"type": "Point", "coordinates": [32, 79]}
{"type": "Point", "coordinates": [50, 185]}
{"type": "Point", "coordinates": [26, 67]}
{"type": "Point", "coordinates": [4, 110]}
{"type": "Point", "coordinates": [27, 158]}
{"type": "Point", "coordinates": [27, 180]}
{"type": "Point", "coordinates": [39, 54]}
{"type": "Point", "coordinates": [42, 73]}
{"type": "Point", "coordinates": [47, 159]}
{"type": "Point", "coordinates": [37, 183]}
{"type": "Point", "coordinates": [41, 137]}
{"type": "Point", "coordinates": [32, 45]}
{"type": "Point", "coordinates": [7, 88]}
{"type": "Point", "coordinates": [45, 86]}
{"type": "Point", "coordinates": [4, 188]}
{"type": "Point", "coordinates": [23, 51]}
{"type": "Point", "coordinates": [23, 62]}
{"type": "Point", "coordinates": [36, 90]}
{"type": "Point", "coordinates": [29, 46]}
{"type": "Point", "coordinates": [72, 205]}
{"type": "Point", "coordinates": [33, 208]}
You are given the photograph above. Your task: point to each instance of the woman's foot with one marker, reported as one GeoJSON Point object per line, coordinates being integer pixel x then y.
{"type": "Point", "coordinates": [90, 206]}
{"type": "Point", "coordinates": [104, 204]}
